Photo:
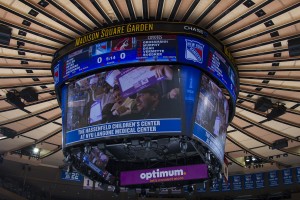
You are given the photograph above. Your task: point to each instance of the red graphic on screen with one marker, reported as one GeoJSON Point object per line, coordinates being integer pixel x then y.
{"type": "Point", "coordinates": [122, 44]}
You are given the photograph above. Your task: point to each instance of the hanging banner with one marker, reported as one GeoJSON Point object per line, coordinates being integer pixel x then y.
{"type": "Point", "coordinates": [298, 174]}
{"type": "Point", "coordinates": [215, 185]}
{"type": "Point", "coordinates": [287, 176]}
{"type": "Point", "coordinates": [273, 178]}
{"type": "Point", "coordinates": [259, 180]}
{"type": "Point", "coordinates": [226, 184]}
{"type": "Point", "coordinates": [237, 182]}
{"type": "Point", "coordinates": [249, 181]}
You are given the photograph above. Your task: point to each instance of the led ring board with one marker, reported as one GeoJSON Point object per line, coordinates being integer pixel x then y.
{"type": "Point", "coordinates": [145, 94]}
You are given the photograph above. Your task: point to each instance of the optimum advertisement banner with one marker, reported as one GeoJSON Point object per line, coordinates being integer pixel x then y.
{"type": "Point", "coordinates": [157, 175]}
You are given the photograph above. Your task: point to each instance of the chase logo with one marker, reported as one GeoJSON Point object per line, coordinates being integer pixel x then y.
{"type": "Point", "coordinates": [56, 74]}
{"type": "Point", "coordinates": [194, 51]}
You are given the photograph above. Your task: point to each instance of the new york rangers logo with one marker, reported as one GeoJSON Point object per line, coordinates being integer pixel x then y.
{"type": "Point", "coordinates": [194, 51]}
{"type": "Point", "coordinates": [56, 74]}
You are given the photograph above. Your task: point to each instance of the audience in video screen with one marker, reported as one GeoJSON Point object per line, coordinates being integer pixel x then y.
{"type": "Point", "coordinates": [150, 92]}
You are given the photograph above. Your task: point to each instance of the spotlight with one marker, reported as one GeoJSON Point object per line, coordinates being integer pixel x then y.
{"type": "Point", "coordinates": [36, 150]}
{"type": "Point", "coordinates": [285, 155]}
{"type": "Point", "coordinates": [254, 159]}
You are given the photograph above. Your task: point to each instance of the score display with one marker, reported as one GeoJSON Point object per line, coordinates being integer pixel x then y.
{"type": "Point", "coordinates": [150, 49]}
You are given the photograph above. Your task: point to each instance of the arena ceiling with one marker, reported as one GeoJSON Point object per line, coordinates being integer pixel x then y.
{"type": "Point", "coordinates": [255, 31]}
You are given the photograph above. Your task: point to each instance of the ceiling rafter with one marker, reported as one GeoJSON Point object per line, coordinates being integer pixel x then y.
{"type": "Point", "coordinates": [130, 9]}
{"type": "Point", "coordinates": [66, 12]}
{"type": "Point", "coordinates": [26, 50]}
{"type": "Point", "coordinates": [86, 13]}
{"type": "Point", "coordinates": [249, 134]}
{"type": "Point", "coordinates": [37, 141]}
{"type": "Point", "coordinates": [26, 68]}
{"type": "Point", "coordinates": [224, 13]}
{"type": "Point", "coordinates": [260, 125]}
{"type": "Point", "coordinates": [284, 121]}
{"type": "Point", "coordinates": [51, 153]}
{"type": "Point", "coordinates": [190, 10]}
{"type": "Point", "coordinates": [29, 104]}
{"type": "Point", "coordinates": [116, 10]}
{"type": "Point", "coordinates": [33, 114]}
{"type": "Point", "coordinates": [36, 22]}
{"type": "Point", "coordinates": [254, 153]}
{"type": "Point", "coordinates": [26, 84]}
{"type": "Point", "coordinates": [283, 98]}
{"type": "Point", "coordinates": [10, 76]}
{"type": "Point", "coordinates": [261, 53]}
{"type": "Point", "coordinates": [33, 32]}
{"type": "Point", "coordinates": [145, 9]}
{"type": "Point", "coordinates": [251, 11]}
{"type": "Point", "coordinates": [269, 61]}
{"type": "Point", "coordinates": [263, 33]}
{"type": "Point", "coordinates": [208, 9]}
{"type": "Point", "coordinates": [271, 78]}
{"type": "Point", "coordinates": [296, 112]}
{"type": "Point", "coordinates": [22, 39]}
{"type": "Point", "coordinates": [273, 69]}
{"type": "Point", "coordinates": [159, 9]}
{"type": "Point", "coordinates": [101, 11]}
{"type": "Point", "coordinates": [275, 87]}
{"type": "Point", "coordinates": [26, 130]}
{"type": "Point", "coordinates": [50, 16]}
{"type": "Point", "coordinates": [25, 59]}
{"type": "Point", "coordinates": [234, 160]}
{"type": "Point", "coordinates": [174, 10]}
{"type": "Point", "coordinates": [256, 23]}
{"type": "Point", "coordinates": [272, 41]}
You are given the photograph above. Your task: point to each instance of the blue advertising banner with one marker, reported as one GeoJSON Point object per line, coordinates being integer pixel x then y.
{"type": "Point", "coordinates": [298, 174]}
{"type": "Point", "coordinates": [124, 128]}
{"type": "Point", "coordinates": [71, 176]}
{"type": "Point", "coordinates": [249, 181]}
{"type": "Point", "coordinates": [215, 185]}
{"type": "Point", "coordinates": [259, 180]}
{"type": "Point", "coordinates": [201, 187]}
{"type": "Point", "coordinates": [287, 176]}
{"type": "Point", "coordinates": [273, 178]}
{"type": "Point", "coordinates": [226, 185]}
{"type": "Point", "coordinates": [237, 182]}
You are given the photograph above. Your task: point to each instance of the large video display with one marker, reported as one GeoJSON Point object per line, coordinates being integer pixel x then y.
{"type": "Point", "coordinates": [133, 100]}
{"type": "Point", "coordinates": [211, 117]}
{"type": "Point", "coordinates": [150, 48]}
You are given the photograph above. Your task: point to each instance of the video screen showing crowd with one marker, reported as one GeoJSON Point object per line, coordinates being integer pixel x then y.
{"type": "Point", "coordinates": [134, 93]}
{"type": "Point", "coordinates": [212, 114]}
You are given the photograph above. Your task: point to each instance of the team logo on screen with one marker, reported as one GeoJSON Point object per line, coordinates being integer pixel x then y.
{"type": "Point", "coordinates": [194, 51]}
{"type": "Point", "coordinates": [56, 74]}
